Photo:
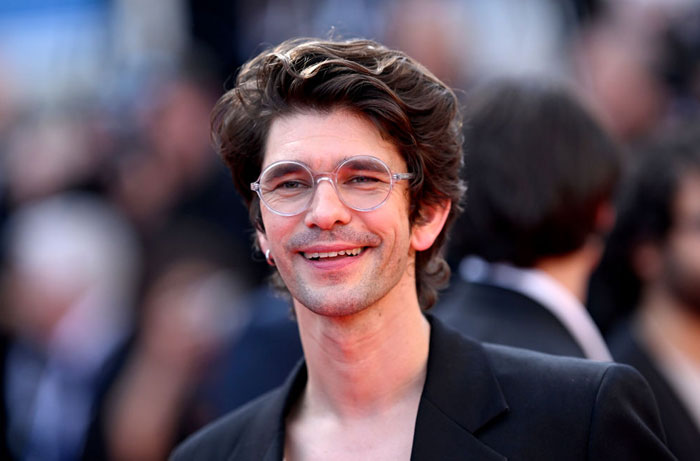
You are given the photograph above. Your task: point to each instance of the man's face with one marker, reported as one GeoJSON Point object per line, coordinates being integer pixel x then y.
{"type": "Point", "coordinates": [344, 284]}
{"type": "Point", "coordinates": [682, 253]}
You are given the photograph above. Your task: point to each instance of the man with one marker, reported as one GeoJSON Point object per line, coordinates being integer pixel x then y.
{"type": "Point", "coordinates": [655, 253]}
{"type": "Point", "coordinates": [67, 291]}
{"type": "Point", "coordinates": [348, 156]}
{"type": "Point", "coordinates": [540, 173]}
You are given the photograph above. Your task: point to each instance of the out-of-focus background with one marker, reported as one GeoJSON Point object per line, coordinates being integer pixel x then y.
{"type": "Point", "coordinates": [133, 309]}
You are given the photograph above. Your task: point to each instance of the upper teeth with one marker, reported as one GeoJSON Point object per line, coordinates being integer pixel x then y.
{"type": "Point", "coordinates": [332, 254]}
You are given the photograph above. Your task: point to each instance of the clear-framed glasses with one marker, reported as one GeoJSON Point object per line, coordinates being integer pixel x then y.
{"type": "Point", "coordinates": [362, 183]}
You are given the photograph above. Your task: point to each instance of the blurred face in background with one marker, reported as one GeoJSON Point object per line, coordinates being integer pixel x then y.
{"type": "Point", "coordinates": [37, 299]}
{"type": "Point", "coordinates": [179, 126]}
{"type": "Point", "coordinates": [681, 255]}
{"type": "Point", "coordinates": [47, 155]}
{"type": "Point", "coordinates": [71, 266]}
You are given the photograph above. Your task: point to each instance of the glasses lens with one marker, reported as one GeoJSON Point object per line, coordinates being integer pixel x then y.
{"type": "Point", "coordinates": [287, 187]}
{"type": "Point", "coordinates": [364, 182]}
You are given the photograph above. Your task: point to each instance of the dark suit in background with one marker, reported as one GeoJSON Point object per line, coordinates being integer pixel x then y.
{"type": "Point", "coordinates": [650, 269]}
{"type": "Point", "coordinates": [681, 431]}
{"type": "Point", "coordinates": [541, 173]}
{"type": "Point", "coordinates": [502, 316]}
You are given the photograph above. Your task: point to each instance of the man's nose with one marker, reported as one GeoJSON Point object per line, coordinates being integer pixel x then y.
{"type": "Point", "coordinates": [326, 209]}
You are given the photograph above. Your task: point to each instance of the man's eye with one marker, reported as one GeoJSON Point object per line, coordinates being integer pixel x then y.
{"type": "Point", "coordinates": [288, 185]}
{"type": "Point", "coordinates": [363, 180]}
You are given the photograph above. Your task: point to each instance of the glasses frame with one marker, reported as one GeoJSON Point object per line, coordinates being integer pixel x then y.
{"type": "Point", "coordinates": [332, 178]}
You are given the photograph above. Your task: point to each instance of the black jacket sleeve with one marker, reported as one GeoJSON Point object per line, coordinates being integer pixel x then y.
{"type": "Point", "coordinates": [625, 407]}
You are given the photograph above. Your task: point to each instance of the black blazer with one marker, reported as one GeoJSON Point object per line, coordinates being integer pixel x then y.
{"type": "Point", "coordinates": [502, 316]}
{"type": "Point", "coordinates": [682, 433]}
{"type": "Point", "coordinates": [480, 402]}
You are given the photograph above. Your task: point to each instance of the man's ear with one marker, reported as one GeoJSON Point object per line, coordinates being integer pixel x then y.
{"type": "Point", "coordinates": [433, 218]}
{"type": "Point", "coordinates": [262, 241]}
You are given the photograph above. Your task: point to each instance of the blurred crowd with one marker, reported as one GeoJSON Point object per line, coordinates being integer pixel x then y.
{"type": "Point", "coordinates": [133, 309]}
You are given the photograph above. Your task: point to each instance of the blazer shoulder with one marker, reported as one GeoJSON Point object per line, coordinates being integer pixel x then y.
{"type": "Point", "coordinates": [219, 439]}
{"type": "Point", "coordinates": [521, 368]}
{"type": "Point", "coordinates": [597, 401]}
{"type": "Point", "coordinates": [530, 362]}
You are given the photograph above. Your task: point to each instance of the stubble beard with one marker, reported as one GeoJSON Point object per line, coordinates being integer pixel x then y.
{"type": "Point", "coordinates": [340, 297]}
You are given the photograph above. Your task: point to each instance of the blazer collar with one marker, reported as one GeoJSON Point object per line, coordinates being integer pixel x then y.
{"type": "Point", "coordinates": [461, 395]}
{"type": "Point", "coordinates": [265, 434]}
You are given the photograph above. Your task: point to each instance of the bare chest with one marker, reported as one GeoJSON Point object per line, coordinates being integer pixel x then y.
{"type": "Point", "coordinates": [388, 437]}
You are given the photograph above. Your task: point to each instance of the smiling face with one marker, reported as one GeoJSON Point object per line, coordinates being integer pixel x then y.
{"type": "Point", "coordinates": [334, 260]}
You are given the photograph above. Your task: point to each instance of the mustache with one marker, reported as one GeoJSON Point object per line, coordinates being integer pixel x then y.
{"type": "Point", "coordinates": [316, 235]}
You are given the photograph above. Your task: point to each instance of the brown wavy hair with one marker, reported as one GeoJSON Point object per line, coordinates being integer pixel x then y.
{"type": "Point", "coordinates": [406, 102]}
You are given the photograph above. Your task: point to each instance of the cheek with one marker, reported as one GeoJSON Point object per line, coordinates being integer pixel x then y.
{"type": "Point", "coordinates": [393, 227]}
{"type": "Point", "coordinates": [277, 228]}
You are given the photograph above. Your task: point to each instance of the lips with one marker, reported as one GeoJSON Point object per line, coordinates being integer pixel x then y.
{"type": "Point", "coordinates": [319, 255]}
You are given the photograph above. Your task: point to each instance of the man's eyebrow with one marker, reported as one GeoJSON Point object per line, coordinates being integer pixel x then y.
{"type": "Point", "coordinates": [291, 166]}
{"type": "Point", "coordinates": [286, 168]}
{"type": "Point", "coordinates": [282, 170]}
{"type": "Point", "coordinates": [367, 164]}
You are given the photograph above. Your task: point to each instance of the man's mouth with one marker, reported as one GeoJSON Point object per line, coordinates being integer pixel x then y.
{"type": "Point", "coordinates": [333, 254]}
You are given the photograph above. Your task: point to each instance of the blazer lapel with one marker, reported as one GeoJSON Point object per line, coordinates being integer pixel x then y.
{"type": "Point", "coordinates": [266, 431]}
{"type": "Point", "coordinates": [461, 395]}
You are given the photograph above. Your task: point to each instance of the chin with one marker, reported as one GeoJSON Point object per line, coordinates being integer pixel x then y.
{"type": "Point", "coordinates": [332, 302]}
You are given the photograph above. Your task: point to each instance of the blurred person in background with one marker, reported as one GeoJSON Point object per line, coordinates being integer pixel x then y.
{"type": "Point", "coordinates": [47, 152]}
{"type": "Point", "coordinates": [235, 29]}
{"type": "Point", "coordinates": [680, 64]}
{"type": "Point", "coordinates": [200, 346]}
{"type": "Point", "coordinates": [68, 282]}
{"type": "Point", "coordinates": [259, 358]}
{"type": "Point", "coordinates": [188, 307]}
{"type": "Point", "coordinates": [166, 171]}
{"type": "Point", "coordinates": [635, 63]}
{"type": "Point", "coordinates": [540, 174]}
{"type": "Point", "coordinates": [443, 44]}
{"type": "Point", "coordinates": [167, 167]}
{"type": "Point", "coordinates": [169, 157]}
{"type": "Point", "coordinates": [675, 43]}
{"type": "Point", "coordinates": [653, 266]}
{"type": "Point", "coordinates": [615, 62]}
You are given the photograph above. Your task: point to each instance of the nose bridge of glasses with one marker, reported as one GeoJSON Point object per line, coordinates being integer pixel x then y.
{"type": "Point", "coordinates": [329, 178]}
{"type": "Point", "coordinates": [326, 205]}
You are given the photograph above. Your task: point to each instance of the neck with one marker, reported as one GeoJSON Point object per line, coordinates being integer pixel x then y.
{"type": "Point", "coordinates": [680, 326]}
{"type": "Point", "coordinates": [363, 364]}
{"type": "Point", "coordinates": [572, 269]}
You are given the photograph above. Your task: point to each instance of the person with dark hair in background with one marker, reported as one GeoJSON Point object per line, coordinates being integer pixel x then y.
{"type": "Point", "coordinates": [67, 288]}
{"type": "Point", "coordinates": [348, 156]}
{"type": "Point", "coordinates": [541, 173]}
{"type": "Point", "coordinates": [653, 264]}
{"type": "Point", "coordinates": [201, 344]}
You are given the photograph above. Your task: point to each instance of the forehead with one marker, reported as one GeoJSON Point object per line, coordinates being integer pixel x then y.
{"type": "Point", "coordinates": [323, 140]}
